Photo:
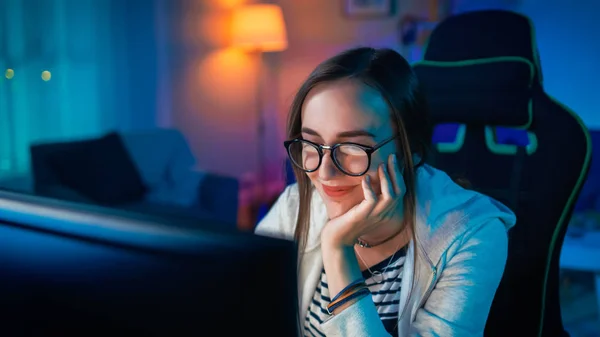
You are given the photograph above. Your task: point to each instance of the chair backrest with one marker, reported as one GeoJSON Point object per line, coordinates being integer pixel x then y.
{"type": "Point", "coordinates": [481, 70]}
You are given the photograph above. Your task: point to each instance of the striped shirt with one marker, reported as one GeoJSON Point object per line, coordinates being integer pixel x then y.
{"type": "Point", "coordinates": [386, 295]}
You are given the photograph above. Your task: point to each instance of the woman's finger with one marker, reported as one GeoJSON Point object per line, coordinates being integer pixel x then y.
{"type": "Point", "coordinates": [387, 193]}
{"type": "Point", "coordinates": [361, 211]}
{"type": "Point", "coordinates": [396, 176]}
{"type": "Point", "coordinates": [387, 190]}
{"type": "Point", "coordinates": [368, 192]}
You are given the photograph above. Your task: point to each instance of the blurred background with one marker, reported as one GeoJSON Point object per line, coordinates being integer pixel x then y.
{"type": "Point", "coordinates": [188, 98]}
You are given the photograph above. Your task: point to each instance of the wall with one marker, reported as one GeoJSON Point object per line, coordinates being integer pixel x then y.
{"type": "Point", "coordinates": [567, 32]}
{"type": "Point", "coordinates": [214, 87]}
{"type": "Point", "coordinates": [102, 64]}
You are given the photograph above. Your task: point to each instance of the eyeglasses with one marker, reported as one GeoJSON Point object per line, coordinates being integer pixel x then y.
{"type": "Point", "coordinates": [350, 158]}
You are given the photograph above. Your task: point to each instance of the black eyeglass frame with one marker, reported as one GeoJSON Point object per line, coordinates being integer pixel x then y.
{"type": "Point", "coordinates": [369, 150]}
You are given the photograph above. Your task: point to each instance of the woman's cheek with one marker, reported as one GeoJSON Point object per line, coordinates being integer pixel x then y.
{"type": "Point", "coordinates": [375, 182]}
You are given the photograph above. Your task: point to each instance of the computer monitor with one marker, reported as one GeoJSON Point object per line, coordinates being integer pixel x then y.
{"type": "Point", "coordinates": [73, 270]}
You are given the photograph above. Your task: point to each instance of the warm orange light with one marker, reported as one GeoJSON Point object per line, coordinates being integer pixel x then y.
{"type": "Point", "coordinates": [259, 26]}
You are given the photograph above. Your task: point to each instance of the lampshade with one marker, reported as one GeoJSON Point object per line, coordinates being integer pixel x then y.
{"type": "Point", "coordinates": [259, 26]}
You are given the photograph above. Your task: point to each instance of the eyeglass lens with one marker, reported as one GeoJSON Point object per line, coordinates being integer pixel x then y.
{"type": "Point", "coordinates": [350, 158]}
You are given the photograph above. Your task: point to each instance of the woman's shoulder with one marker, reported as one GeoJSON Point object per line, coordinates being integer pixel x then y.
{"type": "Point", "coordinates": [447, 211]}
{"type": "Point", "coordinates": [442, 200]}
{"type": "Point", "coordinates": [281, 219]}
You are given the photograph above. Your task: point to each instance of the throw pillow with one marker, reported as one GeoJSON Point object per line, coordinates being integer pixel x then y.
{"type": "Point", "coordinates": [100, 169]}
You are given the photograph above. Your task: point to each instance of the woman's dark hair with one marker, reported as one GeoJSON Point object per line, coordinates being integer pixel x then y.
{"type": "Point", "coordinates": [390, 74]}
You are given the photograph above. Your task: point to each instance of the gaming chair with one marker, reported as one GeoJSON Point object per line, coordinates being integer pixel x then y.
{"type": "Point", "coordinates": [482, 76]}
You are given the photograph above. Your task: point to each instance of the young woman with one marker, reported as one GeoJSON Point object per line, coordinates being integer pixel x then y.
{"type": "Point", "coordinates": [388, 244]}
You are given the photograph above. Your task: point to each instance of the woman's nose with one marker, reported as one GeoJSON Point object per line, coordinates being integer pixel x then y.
{"type": "Point", "coordinates": [328, 170]}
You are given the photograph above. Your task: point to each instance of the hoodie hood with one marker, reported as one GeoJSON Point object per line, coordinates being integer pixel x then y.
{"type": "Point", "coordinates": [445, 211]}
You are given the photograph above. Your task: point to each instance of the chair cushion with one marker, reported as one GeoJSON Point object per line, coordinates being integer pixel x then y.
{"type": "Point", "coordinates": [100, 169]}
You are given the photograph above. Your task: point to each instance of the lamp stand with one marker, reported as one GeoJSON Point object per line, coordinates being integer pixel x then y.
{"type": "Point", "coordinates": [260, 127]}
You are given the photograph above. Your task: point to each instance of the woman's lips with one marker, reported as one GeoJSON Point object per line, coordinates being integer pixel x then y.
{"type": "Point", "coordinates": [337, 191]}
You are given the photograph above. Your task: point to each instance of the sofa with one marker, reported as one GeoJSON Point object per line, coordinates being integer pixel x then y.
{"type": "Point", "coordinates": [150, 172]}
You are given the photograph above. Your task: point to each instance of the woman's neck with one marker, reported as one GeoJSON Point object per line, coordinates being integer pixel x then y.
{"type": "Point", "coordinates": [385, 233]}
{"type": "Point", "coordinates": [397, 236]}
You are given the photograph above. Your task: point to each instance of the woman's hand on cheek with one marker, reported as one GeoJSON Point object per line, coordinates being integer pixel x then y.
{"type": "Point", "coordinates": [373, 210]}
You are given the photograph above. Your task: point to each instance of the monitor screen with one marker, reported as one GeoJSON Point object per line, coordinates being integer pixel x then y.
{"type": "Point", "coordinates": [74, 270]}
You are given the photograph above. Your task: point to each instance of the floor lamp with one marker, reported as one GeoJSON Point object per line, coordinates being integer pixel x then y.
{"type": "Point", "coordinates": [258, 29]}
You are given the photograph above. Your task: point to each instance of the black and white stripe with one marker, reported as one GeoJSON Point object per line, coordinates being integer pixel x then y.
{"type": "Point", "coordinates": [386, 296]}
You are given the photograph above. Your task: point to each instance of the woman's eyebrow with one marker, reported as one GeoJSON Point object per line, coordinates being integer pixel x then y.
{"type": "Point", "coordinates": [344, 134]}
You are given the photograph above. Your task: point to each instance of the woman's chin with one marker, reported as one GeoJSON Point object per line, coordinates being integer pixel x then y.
{"type": "Point", "coordinates": [336, 208]}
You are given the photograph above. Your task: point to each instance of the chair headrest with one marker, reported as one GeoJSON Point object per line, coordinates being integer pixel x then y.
{"type": "Point", "coordinates": [495, 92]}
{"type": "Point", "coordinates": [482, 34]}
{"type": "Point", "coordinates": [474, 72]}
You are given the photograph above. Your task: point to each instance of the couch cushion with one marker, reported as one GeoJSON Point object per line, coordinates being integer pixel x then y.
{"type": "Point", "coordinates": [100, 169]}
{"type": "Point", "coordinates": [166, 165]}
{"type": "Point", "coordinates": [43, 174]}
{"type": "Point", "coordinates": [182, 189]}
{"type": "Point", "coordinates": [151, 152]}
{"type": "Point", "coordinates": [194, 217]}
